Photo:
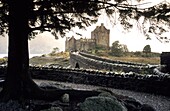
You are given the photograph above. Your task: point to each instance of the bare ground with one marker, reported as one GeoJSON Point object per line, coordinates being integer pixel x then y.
{"type": "Point", "coordinates": [160, 103]}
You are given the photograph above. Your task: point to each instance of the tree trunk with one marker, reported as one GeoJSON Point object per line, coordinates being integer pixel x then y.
{"type": "Point", "coordinates": [18, 56]}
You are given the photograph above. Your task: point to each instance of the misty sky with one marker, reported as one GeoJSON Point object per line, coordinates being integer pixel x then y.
{"type": "Point", "coordinates": [135, 41]}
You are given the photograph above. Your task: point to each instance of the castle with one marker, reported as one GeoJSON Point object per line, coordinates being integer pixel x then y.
{"type": "Point", "coordinates": [99, 37]}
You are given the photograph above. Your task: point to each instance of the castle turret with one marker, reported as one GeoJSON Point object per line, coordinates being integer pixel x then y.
{"type": "Point", "coordinates": [70, 44]}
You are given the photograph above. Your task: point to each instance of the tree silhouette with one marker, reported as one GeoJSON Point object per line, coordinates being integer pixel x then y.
{"type": "Point", "coordinates": [22, 19]}
{"type": "Point", "coordinates": [147, 49]}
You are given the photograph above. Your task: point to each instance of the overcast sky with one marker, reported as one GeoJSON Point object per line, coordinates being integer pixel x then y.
{"type": "Point", "coordinates": [135, 40]}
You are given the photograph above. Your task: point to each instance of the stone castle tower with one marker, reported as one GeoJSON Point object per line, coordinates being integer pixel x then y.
{"type": "Point", "coordinates": [99, 37]}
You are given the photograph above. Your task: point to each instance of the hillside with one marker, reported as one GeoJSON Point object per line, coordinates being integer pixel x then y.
{"type": "Point", "coordinates": [56, 59]}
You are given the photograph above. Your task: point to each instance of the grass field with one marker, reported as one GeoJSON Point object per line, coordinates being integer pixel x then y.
{"type": "Point", "coordinates": [145, 60]}
{"type": "Point", "coordinates": [138, 57]}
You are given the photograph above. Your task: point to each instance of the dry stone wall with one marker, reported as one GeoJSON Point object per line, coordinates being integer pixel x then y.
{"type": "Point", "coordinates": [155, 84]}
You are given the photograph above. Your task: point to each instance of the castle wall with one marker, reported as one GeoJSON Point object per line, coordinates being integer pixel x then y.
{"type": "Point", "coordinates": [85, 44]}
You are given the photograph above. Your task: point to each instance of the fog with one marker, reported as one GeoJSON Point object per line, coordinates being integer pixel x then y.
{"type": "Point", "coordinates": [41, 44]}
{"type": "Point", "coordinates": [44, 44]}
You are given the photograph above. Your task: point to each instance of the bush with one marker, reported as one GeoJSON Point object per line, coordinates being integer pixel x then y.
{"type": "Point", "coordinates": [116, 49]}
